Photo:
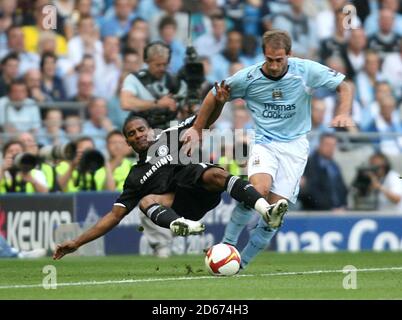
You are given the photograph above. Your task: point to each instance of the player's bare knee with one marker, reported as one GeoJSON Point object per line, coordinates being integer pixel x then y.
{"type": "Point", "coordinates": [262, 189]}
{"type": "Point", "coordinates": [147, 201]}
{"type": "Point", "coordinates": [214, 179]}
{"type": "Point", "coordinates": [217, 177]}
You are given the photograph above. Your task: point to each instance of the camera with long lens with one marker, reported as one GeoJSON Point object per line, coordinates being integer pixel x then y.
{"type": "Point", "coordinates": [193, 75]}
{"type": "Point", "coordinates": [363, 198]}
{"type": "Point", "coordinates": [91, 160]}
{"type": "Point", "coordinates": [65, 151]}
{"type": "Point", "coordinates": [24, 162]}
{"type": "Point", "coordinates": [362, 181]}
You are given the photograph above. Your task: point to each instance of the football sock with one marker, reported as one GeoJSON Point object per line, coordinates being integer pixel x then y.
{"type": "Point", "coordinates": [161, 215]}
{"type": "Point", "coordinates": [244, 192]}
{"type": "Point", "coordinates": [239, 218]}
{"type": "Point", "coordinates": [260, 237]}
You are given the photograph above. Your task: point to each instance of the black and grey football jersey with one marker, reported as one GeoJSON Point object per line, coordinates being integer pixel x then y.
{"type": "Point", "coordinates": [154, 172]}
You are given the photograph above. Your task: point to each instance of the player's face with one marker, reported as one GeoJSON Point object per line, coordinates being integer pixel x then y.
{"type": "Point", "coordinates": [138, 135]}
{"type": "Point", "coordinates": [276, 62]}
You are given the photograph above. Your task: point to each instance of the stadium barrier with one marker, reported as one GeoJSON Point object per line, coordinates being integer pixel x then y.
{"type": "Point", "coordinates": [32, 221]}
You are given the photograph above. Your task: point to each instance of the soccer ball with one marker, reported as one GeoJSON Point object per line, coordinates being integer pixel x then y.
{"type": "Point", "coordinates": [222, 260]}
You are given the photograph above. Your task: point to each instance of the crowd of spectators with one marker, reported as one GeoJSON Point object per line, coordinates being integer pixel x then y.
{"type": "Point", "coordinates": [98, 43]}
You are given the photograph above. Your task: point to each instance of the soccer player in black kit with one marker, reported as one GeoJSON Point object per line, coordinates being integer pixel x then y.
{"type": "Point", "coordinates": [172, 194]}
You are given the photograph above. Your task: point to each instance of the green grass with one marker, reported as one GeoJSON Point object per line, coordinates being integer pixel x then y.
{"type": "Point", "coordinates": [264, 279]}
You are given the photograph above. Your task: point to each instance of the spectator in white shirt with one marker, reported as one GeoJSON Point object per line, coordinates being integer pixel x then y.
{"type": "Point", "coordinates": [367, 79]}
{"type": "Point", "coordinates": [24, 115]}
{"type": "Point", "coordinates": [354, 53]}
{"type": "Point", "coordinates": [392, 67]}
{"type": "Point", "coordinates": [98, 125]}
{"type": "Point", "coordinates": [388, 124]}
{"type": "Point", "coordinates": [212, 43]}
{"type": "Point", "coordinates": [108, 67]}
{"type": "Point", "coordinates": [15, 43]}
{"type": "Point", "coordinates": [85, 42]}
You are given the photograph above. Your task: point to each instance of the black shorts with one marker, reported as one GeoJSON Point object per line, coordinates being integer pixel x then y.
{"type": "Point", "coordinates": [191, 200]}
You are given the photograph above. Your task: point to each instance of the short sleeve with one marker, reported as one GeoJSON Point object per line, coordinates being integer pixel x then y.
{"type": "Point", "coordinates": [130, 84]}
{"type": "Point", "coordinates": [319, 75]}
{"type": "Point", "coordinates": [237, 84]}
{"type": "Point", "coordinates": [130, 196]}
{"type": "Point", "coordinates": [128, 199]}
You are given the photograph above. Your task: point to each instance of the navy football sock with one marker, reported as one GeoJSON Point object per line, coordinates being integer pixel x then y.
{"type": "Point", "coordinates": [242, 191]}
{"type": "Point", "coordinates": [161, 215]}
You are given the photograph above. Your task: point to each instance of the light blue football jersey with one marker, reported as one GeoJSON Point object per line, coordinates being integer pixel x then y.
{"type": "Point", "coordinates": [281, 109]}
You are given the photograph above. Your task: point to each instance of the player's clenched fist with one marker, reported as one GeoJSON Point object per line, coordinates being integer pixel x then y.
{"type": "Point", "coordinates": [63, 249]}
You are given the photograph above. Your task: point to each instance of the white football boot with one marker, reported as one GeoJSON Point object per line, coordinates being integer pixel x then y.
{"type": "Point", "coordinates": [275, 213]}
{"type": "Point", "coordinates": [184, 227]}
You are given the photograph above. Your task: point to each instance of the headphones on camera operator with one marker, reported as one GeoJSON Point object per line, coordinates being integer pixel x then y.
{"type": "Point", "coordinates": [157, 117]}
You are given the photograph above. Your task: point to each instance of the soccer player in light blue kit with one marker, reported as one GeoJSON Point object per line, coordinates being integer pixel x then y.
{"type": "Point", "coordinates": [278, 94]}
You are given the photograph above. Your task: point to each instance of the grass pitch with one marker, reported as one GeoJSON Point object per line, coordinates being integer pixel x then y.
{"type": "Point", "coordinates": [270, 276]}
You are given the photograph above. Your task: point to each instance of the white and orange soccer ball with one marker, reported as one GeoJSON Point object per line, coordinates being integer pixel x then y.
{"type": "Point", "coordinates": [222, 260]}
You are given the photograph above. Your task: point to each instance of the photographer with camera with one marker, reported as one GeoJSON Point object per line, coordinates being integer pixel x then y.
{"type": "Point", "coordinates": [47, 167]}
{"type": "Point", "coordinates": [18, 171]}
{"type": "Point", "coordinates": [79, 173]}
{"type": "Point", "coordinates": [378, 185]}
{"type": "Point", "coordinates": [149, 93]}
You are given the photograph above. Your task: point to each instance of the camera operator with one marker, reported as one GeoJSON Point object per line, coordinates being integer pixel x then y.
{"type": "Point", "coordinates": [79, 174]}
{"type": "Point", "coordinates": [17, 171]}
{"type": "Point", "coordinates": [149, 93]}
{"type": "Point", "coordinates": [383, 183]}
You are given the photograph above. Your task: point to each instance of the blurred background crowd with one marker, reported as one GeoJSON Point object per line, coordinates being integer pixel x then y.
{"type": "Point", "coordinates": [63, 85]}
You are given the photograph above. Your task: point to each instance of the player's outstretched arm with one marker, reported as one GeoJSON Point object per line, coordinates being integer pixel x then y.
{"type": "Point", "coordinates": [104, 225]}
{"type": "Point", "coordinates": [210, 111]}
{"type": "Point", "coordinates": [345, 97]}
{"type": "Point", "coordinates": [212, 105]}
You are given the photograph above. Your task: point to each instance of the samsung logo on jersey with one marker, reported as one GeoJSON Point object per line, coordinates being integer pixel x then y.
{"type": "Point", "coordinates": [160, 163]}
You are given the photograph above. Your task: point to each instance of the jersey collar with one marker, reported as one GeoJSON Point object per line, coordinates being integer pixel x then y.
{"type": "Point", "coordinates": [274, 78]}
